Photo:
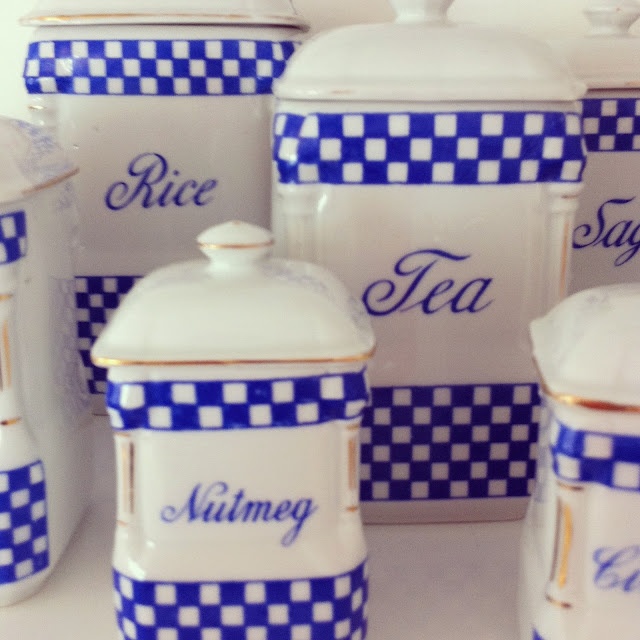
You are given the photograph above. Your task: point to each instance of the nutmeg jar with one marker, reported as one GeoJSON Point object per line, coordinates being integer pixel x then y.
{"type": "Point", "coordinates": [580, 559]}
{"type": "Point", "coordinates": [166, 107]}
{"type": "Point", "coordinates": [606, 239]}
{"type": "Point", "coordinates": [44, 438]}
{"type": "Point", "coordinates": [236, 388]}
{"type": "Point", "coordinates": [434, 167]}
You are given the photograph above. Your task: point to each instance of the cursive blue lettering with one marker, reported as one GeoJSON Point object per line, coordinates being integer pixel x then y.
{"type": "Point", "coordinates": [418, 286]}
{"type": "Point", "coordinates": [214, 504]}
{"type": "Point", "coordinates": [154, 184]}
{"type": "Point", "coordinates": [617, 569]}
{"type": "Point", "coordinates": [621, 234]}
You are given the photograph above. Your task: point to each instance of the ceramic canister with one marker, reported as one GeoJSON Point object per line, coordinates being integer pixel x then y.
{"type": "Point", "coordinates": [606, 239]}
{"type": "Point", "coordinates": [166, 107]}
{"type": "Point", "coordinates": [44, 410]}
{"type": "Point", "coordinates": [434, 168]}
{"type": "Point", "coordinates": [580, 560]}
{"type": "Point", "coordinates": [236, 389]}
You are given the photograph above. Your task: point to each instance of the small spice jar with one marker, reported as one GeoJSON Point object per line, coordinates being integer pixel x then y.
{"type": "Point", "coordinates": [435, 167]}
{"type": "Point", "coordinates": [167, 108]}
{"type": "Point", "coordinates": [236, 389]}
{"type": "Point", "coordinates": [580, 558]}
{"type": "Point", "coordinates": [44, 410]}
{"type": "Point", "coordinates": [606, 239]}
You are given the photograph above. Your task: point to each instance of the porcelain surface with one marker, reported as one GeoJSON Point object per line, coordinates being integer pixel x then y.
{"type": "Point", "coordinates": [189, 107]}
{"type": "Point", "coordinates": [447, 209]}
{"type": "Point", "coordinates": [44, 448]}
{"type": "Point", "coordinates": [578, 566]}
{"type": "Point", "coordinates": [246, 456]}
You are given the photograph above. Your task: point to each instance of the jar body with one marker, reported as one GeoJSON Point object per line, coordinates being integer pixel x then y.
{"type": "Point", "coordinates": [45, 444]}
{"type": "Point", "coordinates": [606, 239]}
{"type": "Point", "coordinates": [171, 125]}
{"type": "Point", "coordinates": [579, 546]}
{"type": "Point", "coordinates": [240, 477]}
{"type": "Point", "coordinates": [451, 270]}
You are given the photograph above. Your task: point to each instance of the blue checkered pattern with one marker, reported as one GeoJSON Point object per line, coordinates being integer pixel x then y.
{"type": "Point", "coordinates": [155, 67]}
{"type": "Point", "coordinates": [611, 124]}
{"type": "Point", "coordinates": [13, 237]}
{"type": "Point", "coordinates": [584, 456]}
{"type": "Point", "coordinates": [332, 608]}
{"type": "Point", "coordinates": [468, 148]}
{"type": "Point", "coordinates": [24, 543]}
{"type": "Point", "coordinates": [449, 442]}
{"type": "Point", "coordinates": [189, 406]}
{"type": "Point", "coordinates": [97, 297]}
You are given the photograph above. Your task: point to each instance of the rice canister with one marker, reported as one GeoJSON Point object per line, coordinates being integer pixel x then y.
{"type": "Point", "coordinates": [44, 410]}
{"type": "Point", "coordinates": [166, 107]}
{"type": "Point", "coordinates": [580, 556]}
{"type": "Point", "coordinates": [606, 239]}
{"type": "Point", "coordinates": [236, 389]}
{"type": "Point", "coordinates": [435, 167]}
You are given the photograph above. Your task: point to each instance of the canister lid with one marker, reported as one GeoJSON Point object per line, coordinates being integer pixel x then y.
{"type": "Point", "coordinates": [30, 160]}
{"type": "Point", "coordinates": [607, 58]}
{"type": "Point", "coordinates": [423, 56]}
{"type": "Point", "coordinates": [239, 306]}
{"type": "Point", "coordinates": [255, 12]}
{"type": "Point", "coordinates": [588, 347]}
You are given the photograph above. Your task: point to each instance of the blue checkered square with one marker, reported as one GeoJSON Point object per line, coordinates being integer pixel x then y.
{"type": "Point", "coordinates": [155, 67]}
{"type": "Point", "coordinates": [237, 404]}
{"type": "Point", "coordinates": [327, 608]}
{"type": "Point", "coordinates": [470, 148]}
{"type": "Point", "coordinates": [24, 542]}
{"type": "Point", "coordinates": [449, 442]}
{"type": "Point", "coordinates": [13, 237]}
{"type": "Point", "coordinates": [97, 297]}
{"type": "Point", "coordinates": [611, 124]}
{"type": "Point", "coordinates": [591, 457]}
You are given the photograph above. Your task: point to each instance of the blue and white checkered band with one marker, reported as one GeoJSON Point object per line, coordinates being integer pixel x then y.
{"type": "Point", "coordinates": [13, 237]}
{"type": "Point", "coordinates": [204, 405]}
{"type": "Point", "coordinates": [449, 442]}
{"type": "Point", "coordinates": [303, 609]}
{"type": "Point", "coordinates": [155, 67]}
{"type": "Point", "coordinates": [589, 457]}
{"type": "Point", "coordinates": [611, 124]}
{"type": "Point", "coordinates": [24, 543]}
{"type": "Point", "coordinates": [469, 148]}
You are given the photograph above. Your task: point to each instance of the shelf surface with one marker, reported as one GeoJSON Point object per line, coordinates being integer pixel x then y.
{"type": "Point", "coordinates": [439, 582]}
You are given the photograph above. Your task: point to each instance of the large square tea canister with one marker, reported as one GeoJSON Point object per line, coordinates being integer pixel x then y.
{"type": "Point", "coordinates": [606, 238]}
{"type": "Point", "coordinates": [580, 556]}
{"type": "Point", "coordinates": [166, 107]}
{"type": "Point", "coordinates": [236, 390]}
{"type": "Point", "coordinates": [45, 443]}
{"type": "Point", "coordinates": [435, 167]}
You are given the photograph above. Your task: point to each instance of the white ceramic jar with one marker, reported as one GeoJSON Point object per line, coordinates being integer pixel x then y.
{"type": "Point", "coordinates": [580, 562]}
{"type": "Point", "coordinates": [236, 389]}
{"type": "Point", "coordinates": [167, 109]}
{"type": "Point", "coordinates": [44, 439]}
{"type": "Point", "coordinates": [434, 167]}
{"type": "Point", "coordinates": [606, 239]}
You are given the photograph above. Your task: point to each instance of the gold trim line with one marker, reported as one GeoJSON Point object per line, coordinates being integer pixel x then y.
{"type": "Point", "coordinates": [558, 603]}
{"type": "Point", "coordinates": [116, 362]}
{"type": "Point", "coordinates": [256, 245]}
{"type": "Point", "coordinates": [11, 422]}
{"type": "Point", "coordinates": [100, 17]}
{"type": "Point", "coordinates": [51, 183]}
{"type": "Point", "coordinates": [597, 405]}
{"type": "Point", "coordinates": [569, 487]}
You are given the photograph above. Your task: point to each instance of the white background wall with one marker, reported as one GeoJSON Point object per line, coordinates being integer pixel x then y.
{"type": "Point", "coordinates": [539, 17]}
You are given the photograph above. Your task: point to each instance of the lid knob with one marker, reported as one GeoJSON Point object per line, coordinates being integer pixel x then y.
{"type": "Point", "coordinates": [235, 244]}
{"type": "Point", "coordinates": [611, 17]}
{"type": "Point", "coordinates": [432, 11]}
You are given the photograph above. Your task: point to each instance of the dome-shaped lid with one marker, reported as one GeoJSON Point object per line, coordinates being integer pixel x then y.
{"type": "Point", "coordinates": [260, 12]}
{"type": "Point", "coordinates": [608, 57]}
{"type": "Point", "coordinates": [238, 306]}
{"type": "Point", "coordinates": [29, 160]}
{"type": "Point", "coordinates": [588, 347]}
{"type": "Point", "coordinates": [423, 56]}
